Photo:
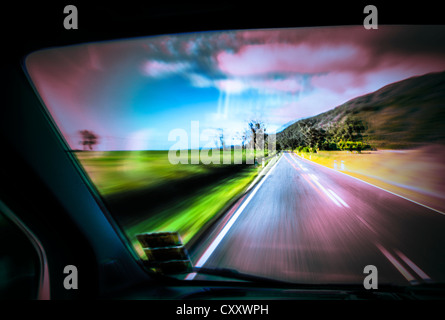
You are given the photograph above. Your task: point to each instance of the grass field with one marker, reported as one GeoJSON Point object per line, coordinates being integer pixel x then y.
{"type": "Point", "coordinates": [190, 216]}
{"type": "Point", "coordinates": [417, 174]}
{"type": "Point", "coordinates": [147, 193]}
{"type": "Point", "coordinates": [122, 171]}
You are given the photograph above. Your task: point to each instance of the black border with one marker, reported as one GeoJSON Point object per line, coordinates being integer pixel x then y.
{"type": "Point", "coordinates": [27, 27]}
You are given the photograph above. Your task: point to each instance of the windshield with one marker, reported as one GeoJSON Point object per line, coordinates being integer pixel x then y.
{"type": "Point", "coordinates": [307, 155]}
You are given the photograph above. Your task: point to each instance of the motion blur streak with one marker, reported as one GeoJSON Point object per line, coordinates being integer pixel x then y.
{"type": "Point", "coordinates": [338, 198]}
{"type": "Point", "coordinates": [305, 177]}
{"type": "Point", "coordinates": [327, 193]}
{"type": "Point", "coordinates": [396, 264]}
{"type": "Point", "coordinates": [287, 232]}
{"type": "Point", "coordinates": [227, 227]}
{"type": "Point", "coordinates": [413, 266]}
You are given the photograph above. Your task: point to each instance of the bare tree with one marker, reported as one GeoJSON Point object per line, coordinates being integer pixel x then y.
{"type": "Point", "coordinates": [244, 138]}
{"type": "Point", "coordinates": [221, 139]}
{"type": "Point", "coordinates": [258, 131]}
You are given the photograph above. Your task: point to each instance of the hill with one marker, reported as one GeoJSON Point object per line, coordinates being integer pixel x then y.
{"type": "Point", "coordinates": [404, 114]}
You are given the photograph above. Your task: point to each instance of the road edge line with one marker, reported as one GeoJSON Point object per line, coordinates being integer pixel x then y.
{"type": "Point", "coordinates": [214, 244]}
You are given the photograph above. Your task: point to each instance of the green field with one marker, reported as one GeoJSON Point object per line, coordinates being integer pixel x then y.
{"type": "Point", "coordinates": [123, 171]}
{"type": "Point", "coordinates": [147, 193]}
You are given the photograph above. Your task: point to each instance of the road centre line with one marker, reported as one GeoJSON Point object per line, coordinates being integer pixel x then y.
{"type": "Point", "coordinates": [397, 264]}
{"type": "Point", "coordinates": [327, 193]}
{"type": "Point", "coordinates": [366, 224]}
{"type": "Point", "coordinates": [306, 177]}
{"type": "Point", "coordinates": [313, 176]}
{"type": "Point", "coordinates": [315, 180]}
{"type": "Point", "coordinates": [203, 259]}
{"type": "Point", "coordinates": [338, 198]}
{"type": "Point", "coordinates": [413, 266]}
{"type": "Point", "coordinates": [405, 273]}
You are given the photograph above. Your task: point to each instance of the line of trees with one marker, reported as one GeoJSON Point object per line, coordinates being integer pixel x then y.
{"type": "Point", "coordinates": [305, 135]}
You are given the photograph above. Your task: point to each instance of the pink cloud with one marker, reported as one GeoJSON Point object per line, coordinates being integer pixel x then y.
{"type": "Point", "coordinates": [300, 58]}
{"type": "Point", "coordinates": [284, 85]}
{"type": "Point", "coordinates": [237, 85]}
{"type": "Point", "coordinates": [158, 69]}
{"type": "Point", "coordinates": [314, 103]}
{"type": "Point", "coordinates": [338, 82]}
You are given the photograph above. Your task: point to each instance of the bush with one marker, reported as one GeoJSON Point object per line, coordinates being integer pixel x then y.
{"type": "Point", "coordinates": [341, 145]}
{"type": "Point", "coordinates": [333, 146]}
{"type": "Point", "coordinates": [328, 146]}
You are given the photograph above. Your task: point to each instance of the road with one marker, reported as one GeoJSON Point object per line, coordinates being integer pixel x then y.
{"type": "Point", "coordinates": [310, 224]}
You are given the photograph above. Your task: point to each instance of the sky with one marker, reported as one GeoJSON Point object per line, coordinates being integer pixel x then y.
{"type": "Point", "coordinates": [133, 93]}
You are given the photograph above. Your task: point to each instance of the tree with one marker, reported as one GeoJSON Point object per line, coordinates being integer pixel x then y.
{"type": "Point", "coordinates": [244, 137]}
{"type": "Point", "coordinates": [352, 129]}
{"type": "Point", "coordinates": [350, 134]}
{"type": "Point", "coordinates": [222, 144]}
{"type": "Point", "coordinates": [258, 131]}
{"type": "Point", "coordinates": [89, 139]}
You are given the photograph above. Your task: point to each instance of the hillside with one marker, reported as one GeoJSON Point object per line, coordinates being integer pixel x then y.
{"type": "Point", "coordinates": [404, 114]}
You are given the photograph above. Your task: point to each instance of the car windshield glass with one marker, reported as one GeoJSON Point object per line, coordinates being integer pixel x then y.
{"type": "Point", "coordinates": [306, 155]}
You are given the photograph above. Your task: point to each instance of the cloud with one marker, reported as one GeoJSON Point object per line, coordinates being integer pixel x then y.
{"type": "Point", "coordinates": [232, 85]}
{"type": "Point", "coordinates": [316, 102]}
{"type": "Point", "coordinates": [159, 69]}
{"type": "Point", "coordinates": [140, 140]}
{"type": "Point", "coordinates": [290, 58]}
{"type": "Point", "coordinates": [338, 82]}
{"type": "Point", "coordinates": [290, 84]}
{"type": "Point", "coordinates": [236, 85]}
{"type": "Point", "coordinates": [200, 81]}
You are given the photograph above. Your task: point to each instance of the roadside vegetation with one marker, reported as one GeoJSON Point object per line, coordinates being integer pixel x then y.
{"type": "Point", "coordinates": [305, 136]}
{"type": "Point", "coordinates": [392, 138]}
{"type": "Point", "coordinates": [146, 192]}
{"type": "Point", "coordinates": [403, 115]}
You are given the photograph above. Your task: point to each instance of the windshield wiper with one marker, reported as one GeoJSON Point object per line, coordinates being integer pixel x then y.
{"type": "Point", "coordinates": [385, 291]}
{"type": "Point", "coordinates": [232, 288]}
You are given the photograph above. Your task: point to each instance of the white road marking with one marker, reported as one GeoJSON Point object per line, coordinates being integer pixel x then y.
{"type": "Point", "coordinates": [315, 179]}
{"type": "Point", "coordinates": [408, 276]}
{"type": "Point", "coordinates": [227, 227]}
{"type": "Point", "coordinates": [338, 198]}
{"type": "Point", "coordinates": [366, 224]}
{"type": "Point", "coordinates": [313, 176]}
{"type": "Point", "coordinates": [327, 193]}
{"type": "Point", "coordinates": [258, 177]}
{"type": "Point", "coordinates": [397, 264]}
{"type": "Point", "coordinates": [413, 266]}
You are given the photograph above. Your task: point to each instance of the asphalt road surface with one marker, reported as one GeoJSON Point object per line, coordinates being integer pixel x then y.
{"type": "Point", "coordinates": [309, 224]}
